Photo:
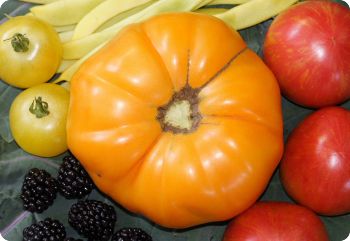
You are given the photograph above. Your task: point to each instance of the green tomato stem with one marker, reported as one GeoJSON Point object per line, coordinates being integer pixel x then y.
{"type": "Point", "coordinates": [39, 108]}
{"type": "Point", "coordinates": [19, 42]}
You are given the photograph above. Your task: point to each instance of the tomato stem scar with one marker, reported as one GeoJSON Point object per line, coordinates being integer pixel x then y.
{"type": "Point", "coordinates": [181, 114]}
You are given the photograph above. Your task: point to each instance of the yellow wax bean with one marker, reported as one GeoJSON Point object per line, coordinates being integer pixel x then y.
{"type": "Point", "coordinates": [214, 2]}
{"type": "Point", "coordinates": [102, 13]}
{"type": "Point", "coordinates": [75, 49]}
{"type": "Point", "coordinates": [65, 64]}
{"type": "Point", "coordinates": [39, 1]}
{"type": "Point", "coordinates": [64, 12]}
{"type": "Point", "coordinates": [253, 12]}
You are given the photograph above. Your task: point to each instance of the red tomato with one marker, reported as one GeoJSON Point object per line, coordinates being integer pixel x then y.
{"type": "Point", "coordinates": [276, 221]}
{"type": "Point", "coordinates": [307, 47]}
{"type": "Point", "coordinates": [315, 169]}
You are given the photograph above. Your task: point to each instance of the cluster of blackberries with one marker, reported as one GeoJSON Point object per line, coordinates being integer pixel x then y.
{"type": "Point", "coordinates": [131, 234]}
{"type": "Point", "coordinates": [40, 188]}
{"type": "Point", "coordinates": [48, 229]}
{"type": "Point", "coordinates": [38, 191]}
{"type": "Point", "coordinates": [52, 230]}
{"type": "Point", "coordinates": [92, 219]}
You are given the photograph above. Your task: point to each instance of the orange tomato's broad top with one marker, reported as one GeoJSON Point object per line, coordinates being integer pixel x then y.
{"type": "Point", "coordinates": [176, 119]}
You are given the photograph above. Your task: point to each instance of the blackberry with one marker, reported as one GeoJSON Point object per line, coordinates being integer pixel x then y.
{"type": "Point", "coordinates": [39, 190]}
{"type": "Point", "coordinates": [73, 180]}
{"type": "Point", "coordinates": [46, 230]}
{"type": "Point", "coordinates": [72, 239]}
{"type": "Point", "coordinates": [92, 219]}
{"type": "Point", "coordinates": [131, 234]}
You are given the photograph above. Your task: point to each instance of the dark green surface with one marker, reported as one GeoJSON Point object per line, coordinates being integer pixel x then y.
{"type": "Point", "coordinates": [14, 163]}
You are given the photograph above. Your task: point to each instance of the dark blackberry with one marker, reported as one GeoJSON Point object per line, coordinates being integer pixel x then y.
{"type": "Point", "coordinates": [131, 234]}
{"type": "Point", "coordinates": [39, 190]}
{"type": "Point", "coordinates": [46, 230]}
{"type": "Point", "coordinates": [72, 239]}
{"type": "Point", "coordinates": [73, 180]}
{"type": "Point", "coordinates": [92, 219]}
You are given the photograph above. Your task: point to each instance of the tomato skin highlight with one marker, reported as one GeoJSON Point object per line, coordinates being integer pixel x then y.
{"type": "Point", "coordinates": [38, 63]}
{"type": "Point", "coordinates": [276, 221]}
{"type": "Point", "coordinates": [42, 136]}
{"type": "Point", "coordinates": [307, 48]}
{"type": "Point", "coordinates": [178, 180]}
{"type": "Point", "coordinates": [315, 169]}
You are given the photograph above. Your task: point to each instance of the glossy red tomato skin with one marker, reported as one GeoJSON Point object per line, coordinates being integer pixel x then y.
{"type": "Point", "coordinates": [307, 47]}
{"type": "Point", "coordinates": [315, 169]}
{"type": "Point", "coordinates": [276, 221]}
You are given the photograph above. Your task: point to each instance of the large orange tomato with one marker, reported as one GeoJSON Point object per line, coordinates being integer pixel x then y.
{"type": "Point", "coordinates": [176, 119]}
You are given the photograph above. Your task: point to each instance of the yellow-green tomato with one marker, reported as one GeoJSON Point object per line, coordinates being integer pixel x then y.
{"type": "Point", "coordinates": [30, 51]}
{"type": "Point", "coordinates": [38, 117]}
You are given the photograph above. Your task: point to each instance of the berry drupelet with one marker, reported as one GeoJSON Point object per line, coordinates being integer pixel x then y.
{"type": "Point", "coordinates": [93, 219]}
{"type": "Point", "coordinates": [46, 230]}
{"type": "Point", "coordinates": [131, 234]}
{"type": "Point", "coordinates": [72, 239]}
{"type": "Point", "coordinates": [73, 180]}
{"type": "Point", "coordinates": [39, 190]}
